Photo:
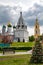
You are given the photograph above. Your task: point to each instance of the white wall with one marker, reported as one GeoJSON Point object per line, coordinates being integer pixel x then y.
{"type": "Point", "coordinates": [22, 34]}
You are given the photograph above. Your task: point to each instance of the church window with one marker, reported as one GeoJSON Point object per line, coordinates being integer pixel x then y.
{"type": "Point", "coordinates": [23, 40]}
{"type": "Point", "coordinates": [18, 26]}
{"type": "Point", "coordinates": [36, 26]}
{"type": "Point", "coordinates": [22, 26]}
{"type": "Point", "coordinates": [36, 32]}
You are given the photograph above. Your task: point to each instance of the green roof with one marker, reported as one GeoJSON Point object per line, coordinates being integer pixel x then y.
{"type": "Point", "coordinates": [9, 25]}
{"type": "Point", "coordinates": [4, 26]}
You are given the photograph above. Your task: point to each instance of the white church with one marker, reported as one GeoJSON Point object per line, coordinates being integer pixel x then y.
{"type": "Point", "coordinates": [21, 33]}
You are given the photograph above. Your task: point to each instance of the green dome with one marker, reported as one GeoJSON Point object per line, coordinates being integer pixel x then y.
{"type": "Point", "coordinates": [4, 26]}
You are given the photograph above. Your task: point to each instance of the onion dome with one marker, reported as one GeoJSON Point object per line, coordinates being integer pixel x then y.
{"type": "Point", "coordinates": [9, 24]}
{"type": "Point", "coordinates": [4, 26]}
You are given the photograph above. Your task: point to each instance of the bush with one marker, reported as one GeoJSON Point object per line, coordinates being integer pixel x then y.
{"type": "Point", "coordinates": [31, 38]}
{"type": "Point", "coordinates": [22, 48]}
{"type": "Point", "coordinates": [37, 53]}
{"type": "Point", "coordinates": [16, 48]}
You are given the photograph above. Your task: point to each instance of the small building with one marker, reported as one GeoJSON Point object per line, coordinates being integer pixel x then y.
{"type": "Point", "coordinates": [7, 36]}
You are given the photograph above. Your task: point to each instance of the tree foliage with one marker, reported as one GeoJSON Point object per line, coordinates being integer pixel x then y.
{"type": "Point", "coordinates": [37, 53]}
{"type": "Point", "coordinates": [31, 38]}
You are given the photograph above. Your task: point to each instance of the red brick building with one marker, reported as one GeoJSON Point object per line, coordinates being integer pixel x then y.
{"type": "Point", "coordinates": [6, 38]}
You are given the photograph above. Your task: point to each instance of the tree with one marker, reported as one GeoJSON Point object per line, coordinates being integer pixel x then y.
{"type": "Point", "coordinates": [37, 53]}
{"type": "Point", "coordinates": [31, 38]}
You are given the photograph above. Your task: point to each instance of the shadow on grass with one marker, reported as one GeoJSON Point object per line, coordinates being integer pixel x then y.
{"type": "Point", "coordinates": [35, 63]}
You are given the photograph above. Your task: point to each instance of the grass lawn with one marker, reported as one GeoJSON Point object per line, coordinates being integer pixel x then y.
{"type": "Point", "coordinates": [22, 44]}
{"type": "Point", "coordinates": [16, 60]}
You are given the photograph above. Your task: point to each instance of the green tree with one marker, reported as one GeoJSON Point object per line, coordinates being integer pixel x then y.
{"type": "Point", "coordinates": [31, 38]}
{"type": "Point", "coordinates": [37, 53]}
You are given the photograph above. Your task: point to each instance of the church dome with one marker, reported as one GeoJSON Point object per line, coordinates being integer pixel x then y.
{"type": "Point", "coordinates": [9, 24]}
{"type": "Point", "coordinates": [4, 26]}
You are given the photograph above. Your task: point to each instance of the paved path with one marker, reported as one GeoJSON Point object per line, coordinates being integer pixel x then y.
{"type": "Point", "coordinates": [16, 53]}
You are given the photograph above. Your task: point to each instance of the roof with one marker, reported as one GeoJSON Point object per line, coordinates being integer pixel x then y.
{"type": "Point", "coordinates": [9, 24]}
{"type": "Point", "coordinates": [4, 26]}
{"type": "Point", "coordinates": [21, 20]}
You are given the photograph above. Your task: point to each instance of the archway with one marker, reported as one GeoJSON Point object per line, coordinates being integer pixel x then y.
{"type": "Point", "coordinates": [18, 39]}
{"type": "Point", "coordinates": [23, 40]}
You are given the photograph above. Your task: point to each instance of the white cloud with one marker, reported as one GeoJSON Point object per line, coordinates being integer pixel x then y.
{"type": "Point", "coordinates": [41, 29]}
{"type": "Point", "coordinates": [30, 30]}
{"type": "Point", "coordinates": [24, 4]}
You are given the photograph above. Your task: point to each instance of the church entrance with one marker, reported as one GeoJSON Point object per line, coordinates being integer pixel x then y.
{"type": "Point", "coordinates": [23, 40]}
{"type": "Point", "coordinates": [18, 39]}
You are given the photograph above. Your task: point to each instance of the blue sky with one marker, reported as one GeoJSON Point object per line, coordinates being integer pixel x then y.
{"type": "Point", "coordinates": [10, 10]}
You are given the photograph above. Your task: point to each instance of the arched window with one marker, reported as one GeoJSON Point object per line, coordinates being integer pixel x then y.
{"type": "Point", "coordinates": [36, 26]}
{"type": "Point", "coordinates": [22, 26]}
{"type": "Point", "coordinates": [18, 26]}
{"type": "Point", "coordinates": [36, 32]}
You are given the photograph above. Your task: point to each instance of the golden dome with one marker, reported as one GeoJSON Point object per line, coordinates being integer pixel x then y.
{"type": "Point", "coordinates": [9, 24]}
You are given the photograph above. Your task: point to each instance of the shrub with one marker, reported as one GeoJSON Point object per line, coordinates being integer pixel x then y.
{"type": "Point", "coordinates": [31, 38]}
{"type": "Point", "coordinates": [37, 53]}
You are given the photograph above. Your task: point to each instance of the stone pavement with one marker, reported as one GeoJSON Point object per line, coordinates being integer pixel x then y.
{"type": "Point", "coordinates": [16, 53]}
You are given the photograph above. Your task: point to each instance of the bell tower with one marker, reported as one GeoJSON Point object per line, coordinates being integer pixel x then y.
{"type": "Point", "coordinates": [21, 24]}
{"type": "Point", "coordinates": [37, 29]}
